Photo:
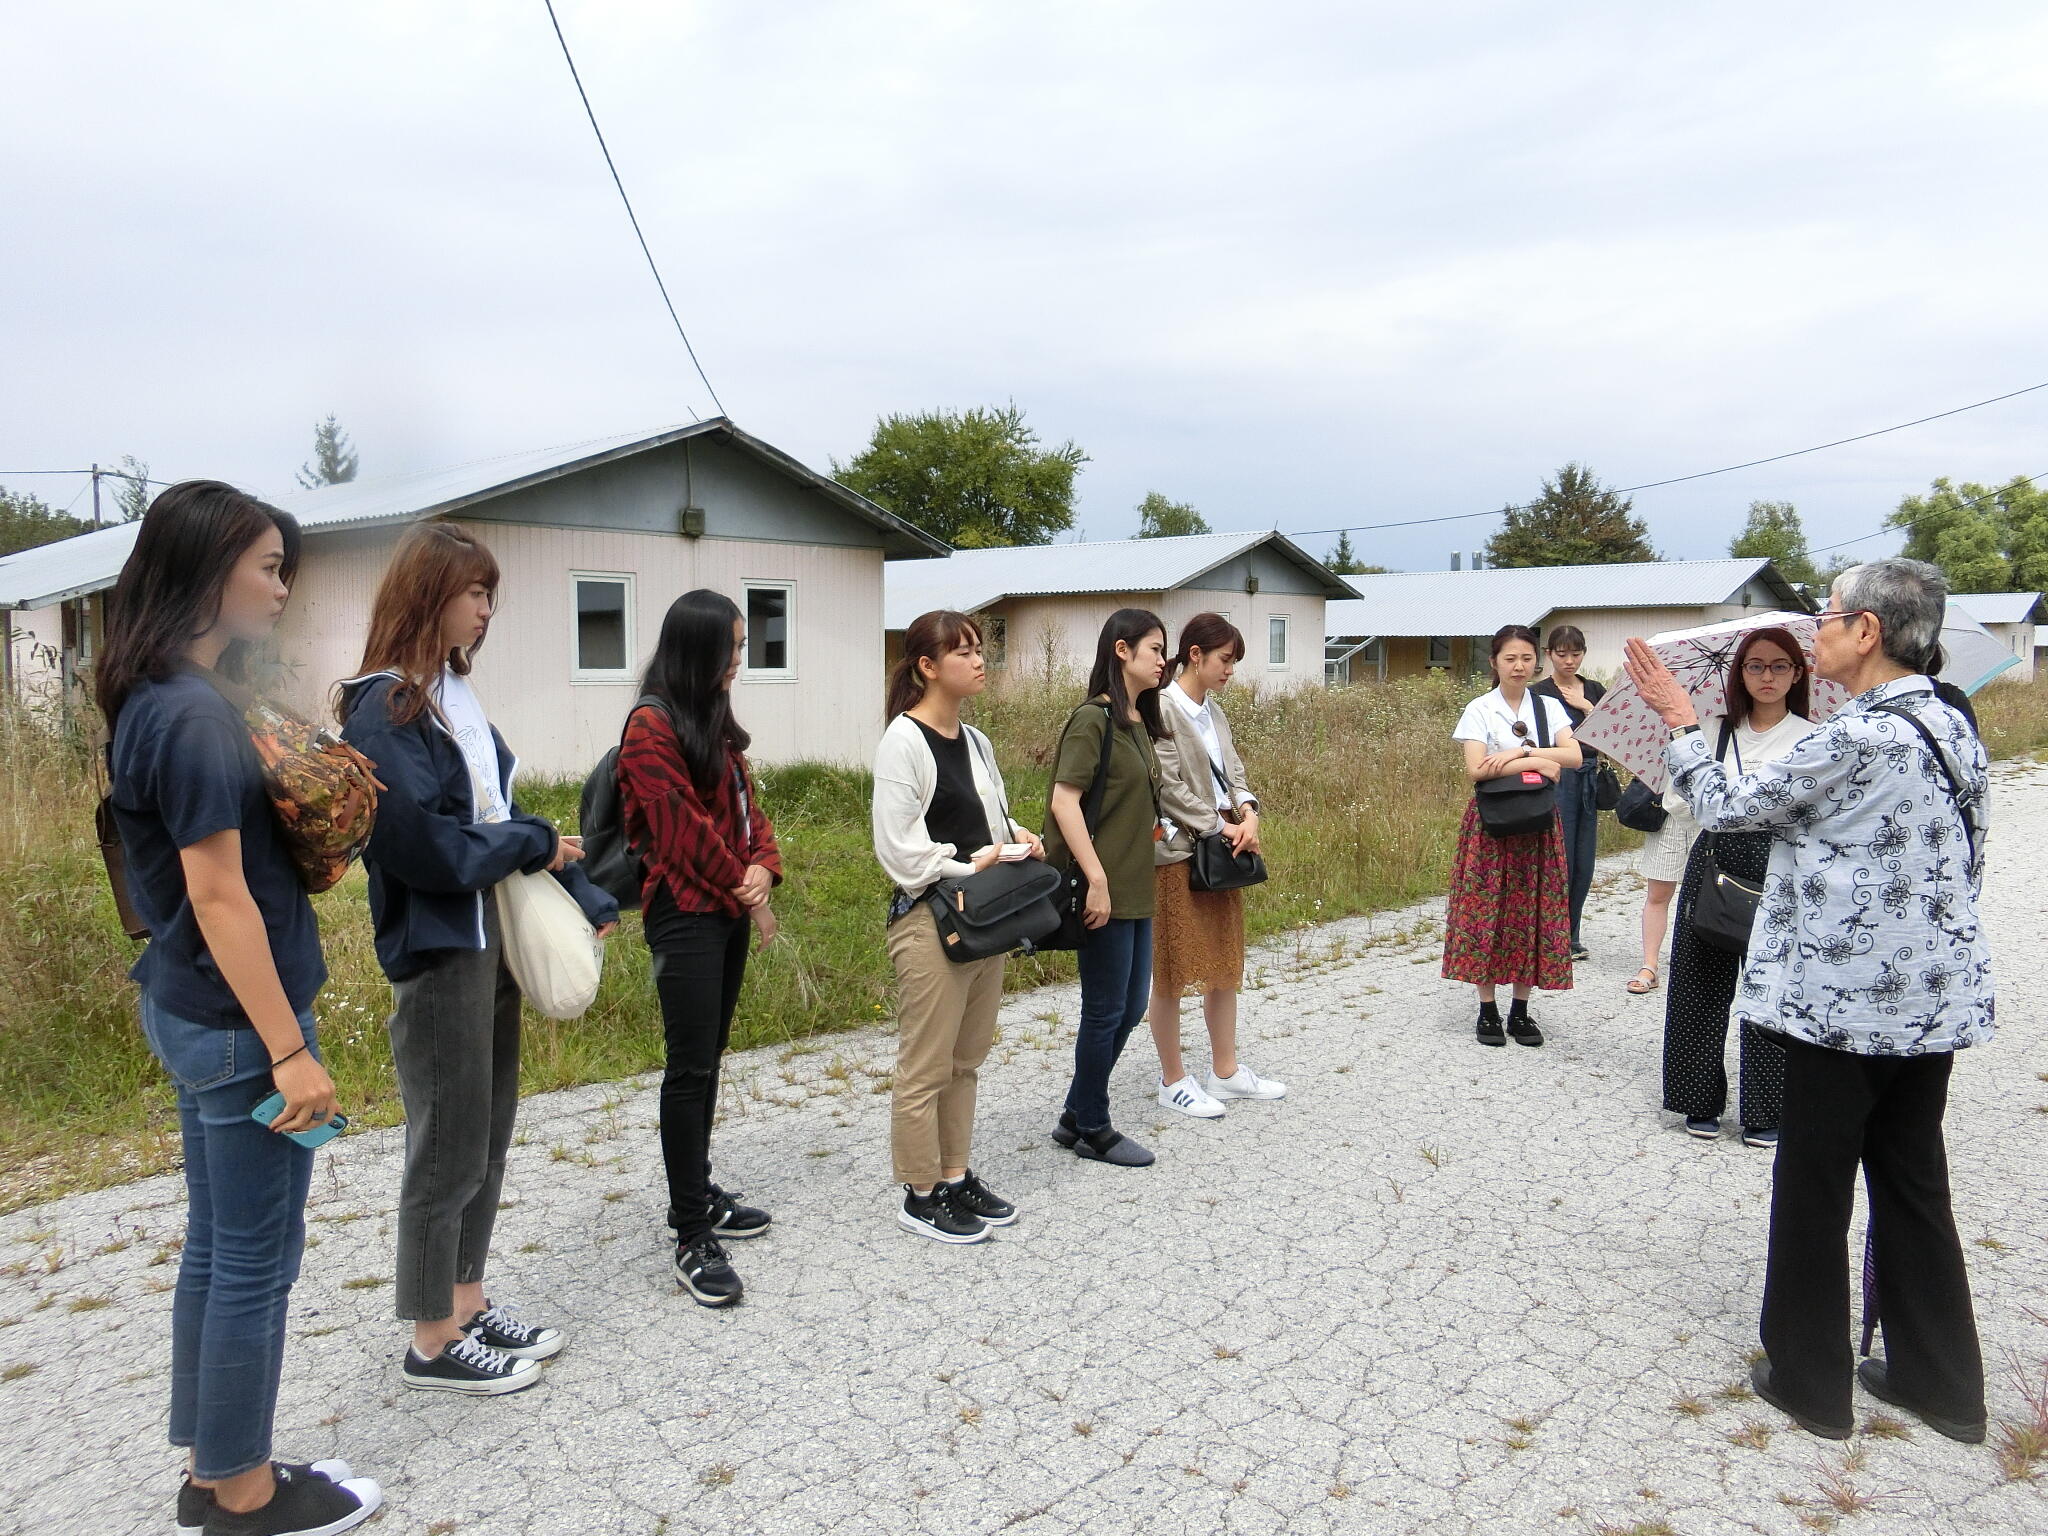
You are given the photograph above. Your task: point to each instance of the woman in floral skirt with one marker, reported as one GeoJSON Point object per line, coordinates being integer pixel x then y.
{"type": "Point", "coordinates": [1509, 913]}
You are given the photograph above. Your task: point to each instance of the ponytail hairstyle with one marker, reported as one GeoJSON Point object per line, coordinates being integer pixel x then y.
{"type": "Point", "coordinates": [1128, 625]}
{"type": "Point", "coordinates": [930, 636]}
{"type": "Point", "coordinates": [434, 564]}
{"type": "Point", "coordinates": [1739, 701]}
{"type": "Point", "coordinates": [1207, 633]}
{"type": "Point", "coordinates": [687, 673]}
{"type": "Point", "coordinates": [170, 587]}
{"type": "Point", "coordinates": [1501, 637]}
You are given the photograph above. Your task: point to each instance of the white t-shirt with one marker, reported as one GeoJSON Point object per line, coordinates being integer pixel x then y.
{"type": "Point", "coordinates": [1747, 749]}
{"type": "Point", "coordinates": [472, 728]}
{"type": "Point", "coordinates": [1488, 719]}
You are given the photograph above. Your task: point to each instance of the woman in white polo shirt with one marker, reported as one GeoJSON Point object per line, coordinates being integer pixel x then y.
{"type": "Point", "coordinates": [1509, 911]}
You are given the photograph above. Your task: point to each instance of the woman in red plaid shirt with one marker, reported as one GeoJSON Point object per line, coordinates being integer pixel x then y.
{"type": "Point", "coordinates": [691, 811]}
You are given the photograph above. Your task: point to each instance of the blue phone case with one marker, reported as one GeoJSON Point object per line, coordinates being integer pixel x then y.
{"type": "Point", "coordinates": [319, 1136]}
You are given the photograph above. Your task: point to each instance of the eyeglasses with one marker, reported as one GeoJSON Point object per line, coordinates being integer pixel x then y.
{"type": "Point", "coordinates": [1768, 669]}
{"type": "Point", "coordinates": [1845, 613]}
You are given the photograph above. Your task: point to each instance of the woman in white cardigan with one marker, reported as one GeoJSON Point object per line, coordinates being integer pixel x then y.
{"type": "Point", "coordinates": [940, 813]}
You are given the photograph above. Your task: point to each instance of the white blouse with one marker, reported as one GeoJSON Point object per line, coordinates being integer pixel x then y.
{"type": "Point", "coordinates": [1489, 719]}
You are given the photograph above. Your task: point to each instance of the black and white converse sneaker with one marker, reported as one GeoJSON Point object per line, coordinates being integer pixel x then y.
{"type": "Point", "coordinates": [702, 1270]}
{"type": "Point", "coordinates": [301, 1506]}
{"type": "Point", "coordinates": [730, 1219]}
{"type": "Point", "coordinates": [195, 1502]}
{"type": "Point", "coordinates": [467, 1365]}
{"type": "Point", "coordinates": [940, 1215]}
{"type": "Point", "coordinates": [501, 1329]}
{"type": "Point", "coordinates": [977, 1199]}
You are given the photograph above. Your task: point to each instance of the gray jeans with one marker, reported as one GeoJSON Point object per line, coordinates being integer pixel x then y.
{"type": "Point", "coordinates": [455, 1042]}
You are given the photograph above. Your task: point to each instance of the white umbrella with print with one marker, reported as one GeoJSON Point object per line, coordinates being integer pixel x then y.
{"type": "Point", "coordinates": [1629, 731]}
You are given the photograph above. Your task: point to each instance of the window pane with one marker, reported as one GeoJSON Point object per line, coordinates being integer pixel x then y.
{"type": "Point", "coordinates": [600, 626]}
{"type": "Point", "coordinates": [768, 629]}
{"type": "Point", "coordinates": [995, 645]}
{"type": "Point", "coordinates": [1276, 642]}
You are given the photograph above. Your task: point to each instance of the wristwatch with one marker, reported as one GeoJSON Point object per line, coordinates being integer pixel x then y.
{"type": "Point", "coordinates": [1684, 730]}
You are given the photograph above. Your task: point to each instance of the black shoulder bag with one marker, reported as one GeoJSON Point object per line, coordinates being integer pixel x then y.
{"type": "Point", "coordinates": [1724, 907]}
{"type": "Point", "coordinates": [1523, 802]}
{"type": "Point", "coordinates": [1072, 902]}
{"type": "Point", "coordinates": [1212, 866]}
{"type": "Point", "coordinates": [1008, 906]}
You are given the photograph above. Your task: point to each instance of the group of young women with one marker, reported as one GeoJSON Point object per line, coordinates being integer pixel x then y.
{"type": "Point", "coordinates": [1516, 902]}
{"type": "Point", "coordinates": [1144, 767]}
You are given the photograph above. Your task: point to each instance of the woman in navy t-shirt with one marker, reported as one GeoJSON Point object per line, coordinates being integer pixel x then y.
{"type": "Point", "coordinates": [228, 980]}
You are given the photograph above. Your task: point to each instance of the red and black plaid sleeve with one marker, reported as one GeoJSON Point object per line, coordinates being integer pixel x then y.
{"type": "Point", "coordinates": [666, 818]}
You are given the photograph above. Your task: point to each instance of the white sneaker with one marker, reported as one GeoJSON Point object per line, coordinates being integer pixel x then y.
{"type": "Point", "coordinates": [1247, 1084]}
{"type": "Point", "coordinates": [1187, 1097]}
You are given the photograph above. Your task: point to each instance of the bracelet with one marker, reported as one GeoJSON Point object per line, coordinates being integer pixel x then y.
{"type": "Point", "coordinates": [287, 1056]}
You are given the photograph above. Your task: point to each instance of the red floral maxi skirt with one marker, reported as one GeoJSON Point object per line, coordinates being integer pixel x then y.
{"type": "Point", "coordinates": [1508, 919]}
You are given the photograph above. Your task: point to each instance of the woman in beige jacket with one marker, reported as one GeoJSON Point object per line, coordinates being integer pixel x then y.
{"type": "Point", "coordinates": [1198, 936]}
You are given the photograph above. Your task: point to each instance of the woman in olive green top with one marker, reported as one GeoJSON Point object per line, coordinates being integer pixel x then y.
{"type": "Point", "coordinates": [1115, 854]}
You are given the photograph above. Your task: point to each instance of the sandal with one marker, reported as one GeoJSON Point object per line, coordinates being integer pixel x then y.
{"type": "Point", "coordinates": [1637, 986]}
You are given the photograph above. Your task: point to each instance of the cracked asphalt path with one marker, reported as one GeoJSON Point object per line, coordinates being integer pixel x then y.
{"type": "Point", "coordinates": [1439, 1289]}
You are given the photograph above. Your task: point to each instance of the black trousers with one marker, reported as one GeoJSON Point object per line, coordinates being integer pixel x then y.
{"type": "Point", "coordinates": [700, 959]}
{"type": "Point", "coordinates": [1885, 1113]}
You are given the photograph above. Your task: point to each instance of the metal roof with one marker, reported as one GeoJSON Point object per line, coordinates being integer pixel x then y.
{"type": "Point", "coordinates": [1406, 603]}
{"type": "Point", "coordinates": [51, 573]}
{"type": "Point", "coordinates": [973, 579]}
{"type": "Point", "coordinates": [2000, 607]}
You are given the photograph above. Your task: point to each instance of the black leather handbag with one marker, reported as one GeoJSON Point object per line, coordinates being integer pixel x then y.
{"type": "Point", "coordinates": [1724, 907]}
{"type": "Point", "coordinates": [1072, 901]}
{"type": "Point", "coordinates": [1640, 808]}
{"type": "Point", "coordinates": [1606, 788]}
{"type": "Point", "coordinates": [1515, 806]}
{"type": "Point", "coordinates": [1008, 906]}
{"type": "Point", "coordinates": [1212, 866]}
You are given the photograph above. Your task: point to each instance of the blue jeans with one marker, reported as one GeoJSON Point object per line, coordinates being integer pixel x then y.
{"type": "Point", "coordinates": [245, 1228]}
{"type": "Point", "coordinates": [1116, 986]}
{"type": "Point", "coordinates": [1579, 820]}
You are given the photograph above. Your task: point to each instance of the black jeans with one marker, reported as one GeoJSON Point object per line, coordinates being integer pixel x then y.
{"type": "Point", "coordinates": [700, 959]}
{"type": "Point", "coordinates": [1884, 1112]}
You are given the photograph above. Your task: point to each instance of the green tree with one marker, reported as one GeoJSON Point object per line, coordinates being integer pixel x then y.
{"type": "Point", "coordinates": [1344, 560]}
{"type": "Point", "coordinates": [2023, 507]}
{"type": "Point", "coordinates": [1960, 529]}
{"type": "Point", "coordinates": [975, 478]}
{"type": "Point", "coordinates": [1159, 518]}
{"type": "Point", "coordinates": [1575, 521]}
{"type": "Point", "coordinates": [131, 488]}
{"type": "Point", "coordinates": [334, 457]}
{"type": "Point", "coordinates": [28, 521]}
{"type": "Point", "coordinates": [1775, 533]}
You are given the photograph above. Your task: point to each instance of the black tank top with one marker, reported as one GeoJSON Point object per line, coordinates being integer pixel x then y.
{"type": "Point", "coordinates": [956, 815]}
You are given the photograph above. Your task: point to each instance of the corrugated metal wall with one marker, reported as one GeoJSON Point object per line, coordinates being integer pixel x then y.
{"type": "Point", "coordinates": [1074, 623]}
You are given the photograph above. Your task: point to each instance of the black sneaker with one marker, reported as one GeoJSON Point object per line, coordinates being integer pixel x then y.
{"type": "Point", "coordinates": [195, 1502]}
{"type": "Point", "coordinates": [1522, 1029]}
{"type": "Point", "coordinates": [701, 1270]}
{"type": "Point", "coordinates": [1489, 1028]}
{"type": "Point", "coordinates": [977, 1199]}
{"type": "Point", "coordinates": [731, 1219]}
{"type": "Point", "coordinates": [467, 1365]}
{"type": "Point", "coordinates": [938, 1215]}
{"type": "Point", "coordinates": [498, 1328]}
{"type": "Point", "coordinates": [301, 1506]}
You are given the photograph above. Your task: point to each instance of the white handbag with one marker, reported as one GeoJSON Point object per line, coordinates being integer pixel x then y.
{"type": "Point", "coordinates": [550, 948]}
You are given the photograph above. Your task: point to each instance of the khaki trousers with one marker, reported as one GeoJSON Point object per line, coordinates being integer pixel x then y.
{"type": "Point", "coordinates": [945, 1023]}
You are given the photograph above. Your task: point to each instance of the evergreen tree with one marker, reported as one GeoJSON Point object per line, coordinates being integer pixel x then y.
{"type": "Point", "coordinates": [131, 488]}
{"type": "Point", "coordinates": [334, 458]}
{"type": "Point", "coordinates": [1575, 521]}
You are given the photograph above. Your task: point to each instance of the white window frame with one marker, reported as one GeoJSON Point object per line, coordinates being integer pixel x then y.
{"type": "Point", "coordinates": [748, 587]}
{"type": "Point", "coordinates": [578, 673]}
{"type": "Point", "coordinates": [1286, 623]}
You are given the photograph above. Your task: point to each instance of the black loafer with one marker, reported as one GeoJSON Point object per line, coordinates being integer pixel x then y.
{"type": "Point", "coordinates": [1876, 1381]}
{"type": "Point", "coordinates": [1522, 1029]}
{"type": "Point", "coordinates": [1490, 1031]}
{"type": "Point", "coordinates": [1760, 1379]}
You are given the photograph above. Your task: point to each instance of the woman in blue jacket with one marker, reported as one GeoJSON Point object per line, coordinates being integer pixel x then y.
{"type": "Point", "coordinates": [447, 832]}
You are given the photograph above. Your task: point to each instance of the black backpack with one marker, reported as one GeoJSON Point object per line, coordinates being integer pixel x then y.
{"type": "Point", "coordinates": [613, 864]}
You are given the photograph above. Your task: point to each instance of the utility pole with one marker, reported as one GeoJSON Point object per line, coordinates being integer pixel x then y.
{"type": "Point", "coordinates": [96, 495]}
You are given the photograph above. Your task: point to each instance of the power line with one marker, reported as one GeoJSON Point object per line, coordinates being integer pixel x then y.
{"type": "Point", "coordinates": [118, 474]}
{"type": "Point", "coordinates": [590, 113]}
{"type": "Point", "coordinates": [1973, 501]}
{"type": "Point", "coordinates": [1650, 485]}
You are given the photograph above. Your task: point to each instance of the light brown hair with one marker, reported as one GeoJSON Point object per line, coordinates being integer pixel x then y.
{"type": "Point", "coordinates": [930, 636]}
{"type": "Point", "coordinates": [434, 564]}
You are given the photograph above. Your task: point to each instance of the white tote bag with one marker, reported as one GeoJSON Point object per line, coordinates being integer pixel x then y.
{"type": "Point", "coordinates": [550, 948]}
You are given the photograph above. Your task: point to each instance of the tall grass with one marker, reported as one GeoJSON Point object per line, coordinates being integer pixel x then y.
{"type": "Point", "coordinates": [1361, 792]}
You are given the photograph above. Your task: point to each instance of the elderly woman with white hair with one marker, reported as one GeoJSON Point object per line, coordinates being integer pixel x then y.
{"type": "Point", "coordinates": [1867, 960]}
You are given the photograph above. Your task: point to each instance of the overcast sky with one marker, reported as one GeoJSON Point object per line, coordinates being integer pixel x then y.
{"type": "Point", "coordinates": [1302, 265]}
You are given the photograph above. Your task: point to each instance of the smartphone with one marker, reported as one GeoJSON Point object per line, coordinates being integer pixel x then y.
{"type": "Point", "coordinates": [319, 1136]}
{"type": "Point", "coordinates": [1010, 853]}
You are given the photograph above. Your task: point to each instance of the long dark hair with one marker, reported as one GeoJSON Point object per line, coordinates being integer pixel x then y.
{"type": "Point", "coordinates": [687, 673]}
{"type": "Point", "coordinates": [1207, 633]}
{"type": "Point", "coordinates": [169, 590]}
{"type": "Point", "coordinates": [1129, 625]}
{"type": "Point", "coordinates": [1501, 637]}
{"type": "Point", "coordinates": [930, 636]}
{"type": "Point", "coordinates": [1739, 701]}
{"type": "Point", "coordinates": [434, 564]}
